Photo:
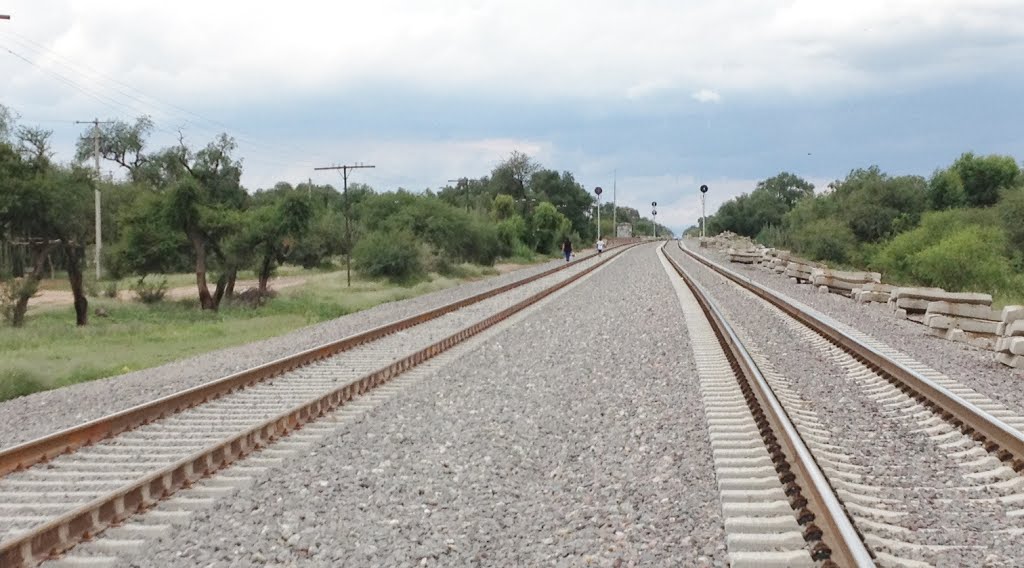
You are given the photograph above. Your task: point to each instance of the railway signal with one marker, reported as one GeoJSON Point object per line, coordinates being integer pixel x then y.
{"type": "Point", "coordinates": [598, 191]}
{"type": "Point", "coordinates": [703, 215]}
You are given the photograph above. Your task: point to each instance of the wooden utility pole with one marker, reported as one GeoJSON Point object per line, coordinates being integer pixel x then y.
{"type": "Point", "coordinates": [348, 231]}
{"type": "Point", "coordinates": [462, 182]}
{"type": "Point", "coordinates": [96, 154]}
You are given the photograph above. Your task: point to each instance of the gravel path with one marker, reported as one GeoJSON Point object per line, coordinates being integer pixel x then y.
{"type": "Point", "coordinates": [574, 437]}
{"type": "Point", "coordinates": [893, 455]}
{"type": "Point", "coordinates": [971, 366]}
{"type": "Point", "coordinates": [29, 417]}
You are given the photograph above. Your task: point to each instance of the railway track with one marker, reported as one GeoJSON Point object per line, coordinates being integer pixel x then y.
{"type": "Point", "coordinates": [979, 436]}
{"type": "Point", "coordinates": [71, 485]}
{"type": "Point", "coordinates": [780, 509]}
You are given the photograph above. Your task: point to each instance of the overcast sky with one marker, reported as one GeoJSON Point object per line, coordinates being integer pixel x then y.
{"type": "Point", "coordinates": [662, 95]}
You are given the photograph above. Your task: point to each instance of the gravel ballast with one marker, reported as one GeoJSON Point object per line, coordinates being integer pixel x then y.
{"type": "Point", "coordinates": [922, 480]}
{"type": "Point", "coordinates": [573, 437]}
{"type": "Point", "coordinates": [29, 417]}
{"type": "Point", "coordinates": [970, 365]}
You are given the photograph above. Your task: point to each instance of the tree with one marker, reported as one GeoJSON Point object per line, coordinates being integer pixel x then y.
{"type": "Point", "coordinates": [512, 177]}
{"type": "Point", "coordinates": [787, 188]}
{"type": "Point", "coordinates": [548, 227]}
{"type": "Point", "coordinates": [203, 202]}
{"type": "Point", "coordinates": [984, 176]}
{"type": "Point", "coordinates": [43, 207]}
{"type": "Point", "coordinates": [871, 202]}
{"type": "Point", "coordinates": [121, 143]}
{"type": "Point", "coordinates": [271, 231]}
{"type": "Point", "coordinates": [568, 197]}
{"type": "Point", "coordinates": [504, 207]}
{"type": "Point", "coordinates": [946, 190]}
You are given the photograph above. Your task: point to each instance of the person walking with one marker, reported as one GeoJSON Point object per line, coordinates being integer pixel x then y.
{"type": "Point", "coordinates": [600, 246]}
{"type": "Point", "coordinates": [567, 248]}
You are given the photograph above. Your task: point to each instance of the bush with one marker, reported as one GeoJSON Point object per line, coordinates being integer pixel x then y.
{"type": "Point", "coordinates": [150, 292]}
{"type": "Point", "coordinates": [110, 289]}
{"type": "Point", "coordinates": [894, 258]}
{"type": "Point", "coordinates": [967, 260]}
{"type": "Point", "coordinates": [11, 291]}
{"type": "Point", "coordinates": [1011, 214]}
{"type": "Point", "coordinates": [395, 256]}
{"type": "Point", "coordinates": [826, 239]}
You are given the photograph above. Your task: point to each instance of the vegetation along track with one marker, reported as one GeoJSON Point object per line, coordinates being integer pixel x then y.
{"type": "Point", "coordinates": [980, 436]}
{"type": "Point", "coordinates": [767, 489]}
{"type": "Point", "coordinates": [68, 486]}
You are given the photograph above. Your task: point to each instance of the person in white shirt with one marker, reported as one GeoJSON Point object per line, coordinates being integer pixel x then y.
{"type": "Point", "coordinates": [600, 246]}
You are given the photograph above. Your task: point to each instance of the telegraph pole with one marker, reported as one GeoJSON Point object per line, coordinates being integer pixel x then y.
{"type": "Point", "coordinates": [96, 155]}
{"type": "Point", "coordinates": [615, 204]}
{"type": "Point", "coordinates": [462, 182]}
{"type": "Point", "coordinates": [348, 230]}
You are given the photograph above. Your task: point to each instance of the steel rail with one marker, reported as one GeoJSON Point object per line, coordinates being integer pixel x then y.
{"type": "Point", "coordinates": [846, 548]}
{"type": "Point", "coordinates": [47, 447]}
{"type": "Point", "coordinates": [63, 532]}
{"type": "Point", "coordinates": [997, 437]}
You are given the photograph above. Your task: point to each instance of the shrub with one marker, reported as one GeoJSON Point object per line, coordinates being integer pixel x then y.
{"type": "Point", "coordinates": [894, 257]}
{"type": "Point", "coordinates": [110, 289]}
{"type": "Point", "coordinates": [150, 292]}
{"type": "Point", "coordinates": [1011, 214]}
{"type": "Point", "coordinates": [395, 256]}
{"type": "Point", "coordinates": [967, 260]}
{"type": "Point", "coordinates": [10, 292]}
{"type": "Point", "coordinates": [826, 239]}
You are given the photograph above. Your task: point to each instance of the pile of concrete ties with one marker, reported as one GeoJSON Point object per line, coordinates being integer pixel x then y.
{"type": "Point", "coordinates": [912, 303]}
{"type": "Point", "coordinates": [749, 256]}
{"type": "Point", "coordinates": [1010, 345]}
{"type": "Point", "coordinates": [965, 317]}
{"type": "Point", "coordinates": [842, 281]}
{"type": "Point", "coordinates": [800, 269]}
{"type": "Point", "coordinates": [873, 292]}
{"type": "Point", "coordinates": [777, 263]}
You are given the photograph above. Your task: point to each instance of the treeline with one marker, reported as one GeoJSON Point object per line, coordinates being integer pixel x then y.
{"type": "Point", "coordinates": [183, 209]}
{"type": "Point", "coordinates": [961, 229]}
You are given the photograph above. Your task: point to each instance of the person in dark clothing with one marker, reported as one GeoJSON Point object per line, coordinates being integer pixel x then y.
{"type": "Point", "coordinates": [567, 248]}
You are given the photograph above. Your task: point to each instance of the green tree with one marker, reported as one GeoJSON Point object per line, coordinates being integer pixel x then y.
{"type": "Point", "coordinates": [278, 221]}
{"type": "Point", "coordinates": [786, 187]}
{"type": "Point", "coordinates": [504, 207]}
{"type": "Point", "coordinates": [121, 143]}
{"type": "Point", "coordinates": [548, 228]}
{"type": "Point", "coordinates": [946, 190]}
{"type": "Point", "coordinates": [984, 176]}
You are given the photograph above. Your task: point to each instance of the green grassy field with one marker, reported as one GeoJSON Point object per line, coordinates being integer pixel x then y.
{"type": "Point", "coordinates": [50, 351]}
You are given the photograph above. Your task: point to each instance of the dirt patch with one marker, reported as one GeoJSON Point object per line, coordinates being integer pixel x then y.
{"type": "Point", "coordinates": [52, 298]}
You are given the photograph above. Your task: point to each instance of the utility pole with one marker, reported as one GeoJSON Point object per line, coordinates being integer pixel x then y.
{"type": "Point", "coordinates": [96, 155]}
{"type": "Point", "coordinates": [615, 204]}
{"type": "Point", "coordinates": [462, 182]}
{"type": "Point", "coordinates": [348, 230]}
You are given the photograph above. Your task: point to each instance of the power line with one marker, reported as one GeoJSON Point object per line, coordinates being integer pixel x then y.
{"type": "Point", "coordinates": [150, 101]}
{"type": "Point", "coordinates": [348, 231]}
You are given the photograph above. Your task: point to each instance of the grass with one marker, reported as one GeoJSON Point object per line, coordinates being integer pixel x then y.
{"type": "Point", "coordinates": [50, 351]}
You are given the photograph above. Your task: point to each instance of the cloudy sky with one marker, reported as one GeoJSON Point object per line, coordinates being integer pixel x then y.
{"type": "Point", "coordinates": [660, 95]}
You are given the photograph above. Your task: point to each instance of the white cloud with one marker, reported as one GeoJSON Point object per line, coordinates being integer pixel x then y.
{"type": "Point", "coordinates": [707, 96]}
{"type": "Point", "coordinates": [263, 51]}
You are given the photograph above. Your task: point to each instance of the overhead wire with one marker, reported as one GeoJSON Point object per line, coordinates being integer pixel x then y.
{"type": "Point", "coordinates": [73, 67]}
{"type": "Point", "coordinates": [260, 149]}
